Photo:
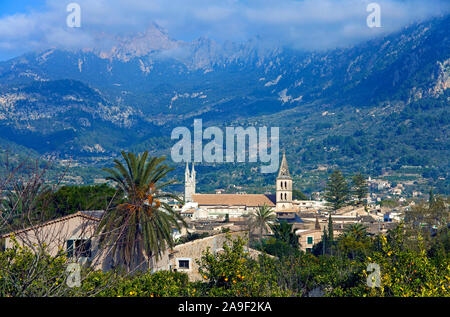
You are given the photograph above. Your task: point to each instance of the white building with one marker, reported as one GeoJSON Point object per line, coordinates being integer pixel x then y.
{"type": "Point", "coordinates": [236, 205]}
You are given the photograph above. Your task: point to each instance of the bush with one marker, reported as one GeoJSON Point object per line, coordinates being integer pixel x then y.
{"type": "Point", "coordinates": [158, 284]}
{"type": "Point", "coordinates": [234, 273]}
{"type": "Point", "coordinates": [24, 272]}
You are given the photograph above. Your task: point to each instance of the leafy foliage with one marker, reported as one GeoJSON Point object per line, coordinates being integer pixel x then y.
{"type": "Point", "coordinates": [262, 218]}
{"type": "Point", "coordinates": [234, 273]}
{"type": "Point", "coordinates": [359, 187]}
{"type": "Point", "coordinates": [337, 190]}
{"type": "Point", "coordinates": [142, 225]}
{"type": "Point", "coordinates": [70, 199]}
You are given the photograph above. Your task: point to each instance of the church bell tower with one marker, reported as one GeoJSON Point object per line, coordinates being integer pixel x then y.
{"type": "Point", "coordinates": [284, 187]}
{"type": "Point", "coordinates": [189, 183]}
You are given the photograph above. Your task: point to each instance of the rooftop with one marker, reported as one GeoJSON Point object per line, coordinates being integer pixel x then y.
{"type": "Point", "coordinates": [249, 200]}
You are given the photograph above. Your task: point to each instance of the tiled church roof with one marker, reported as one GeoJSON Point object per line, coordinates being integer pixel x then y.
{"type": "Point", "coordinates": [249, 200]}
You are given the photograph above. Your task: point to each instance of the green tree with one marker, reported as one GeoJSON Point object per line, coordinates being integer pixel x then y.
{"type": "Point", "coordinates": [354, 242]}
{"type": "Point", "coordinates": [283, 231]}
{"type": "Point", "coordinates": [356, 230]}
{"type": "Point", "coordinates": [324, 242]}
{"type": "Point", "coordinates": [330, 235]}
{"type": "Point", "coordinates": [70, 199]}
{"type": "Point", "coordinates": [337, 190]}
{"type": "Point", "coordinates": [140, 227]}
{"type": "Point", "coordinates": [432, 199]}
{"type": "Point", "coordinates": [298, 195]}
{"type": "Point", "coordinates": [330, 229]}
{"type": "Point", "coordinates": [359, 187]}
{"type": "Point", "coordinates": [426, 218]}
{"type": "Point", "coordinates": [233, 272]}
{"type": "Point", "coordinates": [262, 218]}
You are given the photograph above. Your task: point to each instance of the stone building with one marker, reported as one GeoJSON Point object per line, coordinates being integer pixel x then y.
{"type": "Point", "coordinates": [284, 187]}
{"type": "Point", "coordinates": [75, 236]}
{"type": "Point", "coordinates": [236, 205]}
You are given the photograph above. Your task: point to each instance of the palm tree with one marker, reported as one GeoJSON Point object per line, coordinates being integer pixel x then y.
{"type": "Point", "coordinates": [283, 231]}
{"type": "Point", "coordinates": [356, 230]}
{"type": "Point", "coordinates": [354, 241]}
{"type": "Point", "coordinates": [262, 218]}
{"type": "Point", "coordinates": [141, 226]}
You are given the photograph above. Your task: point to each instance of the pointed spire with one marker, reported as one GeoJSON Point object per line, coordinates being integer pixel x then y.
{"type": "Point", "coordinates": [317, 224]}
{"type": "Point", "coordinates": [186, 173]}
{"type": "Point", "coordinates": [284, 170]}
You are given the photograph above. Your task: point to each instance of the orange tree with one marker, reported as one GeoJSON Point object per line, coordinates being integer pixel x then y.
{"type": "Point", "coordinates": [158, 284]}
{"type": "Point", "coordinates": [405, 272]}
{"type": "Point", "coordinates": [233, 272]}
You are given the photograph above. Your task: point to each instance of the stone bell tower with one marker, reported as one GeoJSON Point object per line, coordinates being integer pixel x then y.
{"type": "Point", "coordinates": [189, 183]}
{"type": "Point", "coordinates": [284, 187]}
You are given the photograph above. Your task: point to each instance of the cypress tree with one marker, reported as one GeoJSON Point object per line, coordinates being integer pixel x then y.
{"type": "Point", "coordinates": [324, 240]}
{"type": "Point", "coordinates": [330, 228]}
{"type": "Point", "coordinates": [431, 200]}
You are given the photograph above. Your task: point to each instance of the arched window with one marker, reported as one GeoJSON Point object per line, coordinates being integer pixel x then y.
{"type": "Point", "coordinates": [285, 196]}
{"type": "Point", "coordinates": [281, 196]}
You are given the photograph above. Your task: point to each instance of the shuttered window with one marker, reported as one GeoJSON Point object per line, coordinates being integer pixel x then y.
{"type": "Point", "coordinates": [79, 248]}
{"type": "Point", "coordinates": [69, 248]}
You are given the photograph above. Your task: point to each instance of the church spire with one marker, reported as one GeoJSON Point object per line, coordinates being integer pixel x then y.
{"type": "Point", "coordinates": [284, 170]}
{"type": "Point", "coordinates": [284, 187]}
{"type": "Point", "coordinates": [189, 184]}
{"type": "Point", "coordinates": [317, 224]}
{"type": "Point", "coordinates": [187, 169]}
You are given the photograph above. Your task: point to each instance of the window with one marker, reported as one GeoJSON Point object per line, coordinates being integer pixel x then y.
{"type": "Point", "coordinates": [310, 240]}
{"type": "Point", "coordinates": [184, 264]}
{"type": "Point", "coordinates": [79, 248]}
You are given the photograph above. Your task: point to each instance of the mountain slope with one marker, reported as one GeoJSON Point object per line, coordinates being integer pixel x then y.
{"type": "Point", "coordinates": [378, 105]}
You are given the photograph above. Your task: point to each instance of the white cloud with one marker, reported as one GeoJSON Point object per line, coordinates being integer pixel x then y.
{"type": "Point", "coordinates": [307, 24]}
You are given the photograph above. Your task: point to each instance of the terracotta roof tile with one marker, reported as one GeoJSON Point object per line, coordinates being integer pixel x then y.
{"type": "Point", "coordinates": [249, 200]}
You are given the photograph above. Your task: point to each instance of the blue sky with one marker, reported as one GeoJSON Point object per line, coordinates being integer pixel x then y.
{"type": "Point", "coordinates": [303, 24]}
{"type": "Point", "coordinates": [10, 7]}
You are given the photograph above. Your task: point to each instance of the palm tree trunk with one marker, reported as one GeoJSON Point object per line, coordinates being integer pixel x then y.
{"type": "Point", "coordinates": [260, 233]}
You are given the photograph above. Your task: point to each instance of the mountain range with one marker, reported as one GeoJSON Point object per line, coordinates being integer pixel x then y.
{"type": "Point", "coordinates": [376, 106]}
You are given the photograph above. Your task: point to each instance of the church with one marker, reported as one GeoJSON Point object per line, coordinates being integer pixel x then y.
{"type": "Point", "coordinates": [235, 205]}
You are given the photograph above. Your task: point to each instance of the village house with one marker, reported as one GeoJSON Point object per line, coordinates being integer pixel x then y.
{"type": "Point", "coordinates": [75, 237]}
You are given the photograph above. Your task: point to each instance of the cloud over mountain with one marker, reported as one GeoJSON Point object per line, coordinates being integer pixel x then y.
{"type": "Point", "coordinates": [307, 24]}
